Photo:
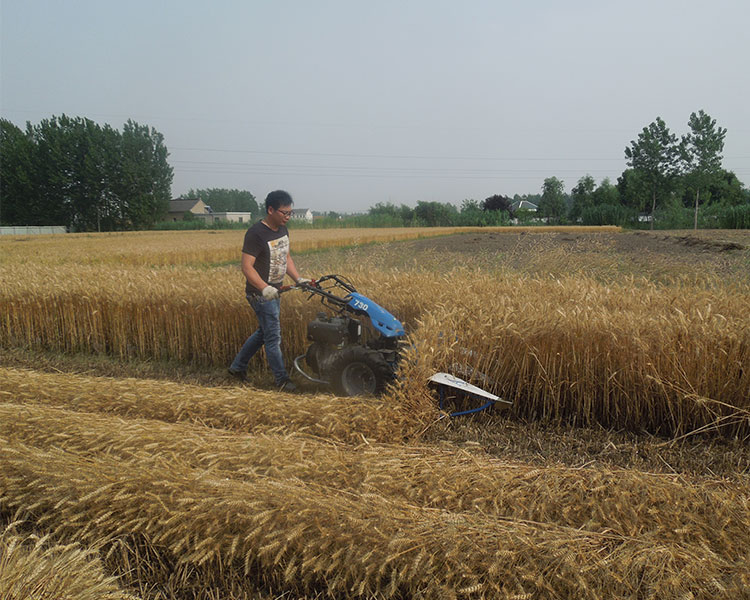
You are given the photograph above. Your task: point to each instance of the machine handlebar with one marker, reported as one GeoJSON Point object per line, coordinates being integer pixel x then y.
{"type": "Point", "coordinates": [318, 287]}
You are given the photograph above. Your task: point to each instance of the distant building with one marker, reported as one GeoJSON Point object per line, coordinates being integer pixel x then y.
{"type": "Point", "coordinates": [178, 208]}
{"type": "Point", "coordinates": [523, 205]}
{"type": "Point", "coordinates": [234, 217]}
{"type": "Point", "coordinates": [302, 214]}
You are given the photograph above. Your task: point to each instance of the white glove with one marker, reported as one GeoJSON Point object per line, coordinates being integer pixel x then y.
{"type": "Point", "coordinates": [303, 280]}
{"type": "Point", "coordinates": [270, 292]}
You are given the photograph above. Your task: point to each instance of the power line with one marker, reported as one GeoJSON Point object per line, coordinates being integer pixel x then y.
{"type": "Point", "coordinates": [418, 156]}
{"type": "Point", "coordinates": [361, 175]}
{"type": "Point", "coordinates": [367, 168]}
{"type": "Point", "coordinates": [396, 156]}
{"type": "Point", "coordinates": [382, 171]}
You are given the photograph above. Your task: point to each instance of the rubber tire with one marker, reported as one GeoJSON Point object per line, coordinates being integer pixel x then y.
{"type": "Point", "coordinates": [359, 371]}
{"type": "Point", "coordinates": [314, 356]}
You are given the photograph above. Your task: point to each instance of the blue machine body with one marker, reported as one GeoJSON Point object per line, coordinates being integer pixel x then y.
{"type": "Point", "coordinates": [388, 325]}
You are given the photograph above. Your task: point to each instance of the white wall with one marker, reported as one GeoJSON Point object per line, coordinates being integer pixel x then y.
{"type": "Point", "coordinates": [234, 217]}
{"type": "Point", "coordinates": [32, 230]}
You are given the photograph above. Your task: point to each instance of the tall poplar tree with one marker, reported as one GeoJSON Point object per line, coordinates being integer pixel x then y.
{"type": "Point", "coordinates": [145, 177]}
{"type": "Point", "coordinates": [582, 196]}
{"type": "Point", "coordinates": [16, 177]}
{"type": "Point", "coordinates": [701, 152]}
{"type": "Point", "coordinates": [552, 203]}
{"type": "Point", "coordinates": [71, 171]}
{"type": "Point", "coordinates": [655, 155]}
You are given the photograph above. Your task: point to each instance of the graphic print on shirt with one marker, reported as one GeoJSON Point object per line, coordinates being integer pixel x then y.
{"type": "Point", "coordinates": [278, 250]}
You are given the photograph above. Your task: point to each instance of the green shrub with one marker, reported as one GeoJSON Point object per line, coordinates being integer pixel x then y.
{"type": "Point", "coordinates": [195, 224]}
{"type": "Point", "coordinates": [734, 217]}
{"type": "Point", "coordinates": [607, 214]}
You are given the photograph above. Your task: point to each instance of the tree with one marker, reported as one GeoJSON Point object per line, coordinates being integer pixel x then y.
{"type": "Point", "coordinates": [497, 202]}
{"type": "Point", "coordinates": [655, 155]}
{"type": "Point", "coordinates": [497, 210]}
{"type": "Point", "coordinates": [389, 209]}
{"type": "Point", "coordinates": [470, 214]}
{"type": "Point", "coordinates": [407, 215]}
{"type": "Point", "coordinates": [727, 189]}
{"type": "Point", "coordinates": [701, 152]}
{"type": "Point", "coordinates": [16, 186]}
{"type": "Point", "coordinates": [435, 214]}
{"type": "Point", "coordinates": [71, 171]}
{"type": "Point", "coordinates": [552, 205]}
{"type": "Point", "coordinates": [70, 179]}
{"type": "Point", "coordinates": [473, 214]}
{"type": "Point", "coordinates": [632, 189]}
{"type": "Point", "coordinates": [390, 215]}
{"type": "Point", "coordinates": [110, 211]}
{"type": "Point", "coordinates": [53, 170]}
{"type": "Point", "coordinates": [385, 214]}
{"type": "Point", "coordinates": [89, 181]}
{"type": "Point", "coordinates": [606, 194]}
{"type": "Point", "coordinates": [145, 183]}
{"type": "Point", "coordinates": [583, 196]}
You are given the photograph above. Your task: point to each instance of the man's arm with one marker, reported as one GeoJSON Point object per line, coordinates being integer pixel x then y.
{"type": "Point", "coordinates": [291, 270]}
{"type": "Point", "coordinates": [248, 268]}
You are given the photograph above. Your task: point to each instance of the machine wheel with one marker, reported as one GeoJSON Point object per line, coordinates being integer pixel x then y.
{"type": "Point", "coordinates": [359, 371]}
{"type": "Point", "coordinates": [314, 356]}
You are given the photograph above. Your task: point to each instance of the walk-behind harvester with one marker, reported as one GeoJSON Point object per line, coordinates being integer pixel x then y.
{"type": "Point", "coordinates": [355, 347]}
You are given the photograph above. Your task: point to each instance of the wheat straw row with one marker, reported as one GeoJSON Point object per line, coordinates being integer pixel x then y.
{"type": "Point", "coordinates": [628, 503]}
{"type": "Point", "coordinates": [353, 547]}
{"type": "Point", "coordinates": [241, 409]}
{"type": "Point", "coordinates": [33, 567]}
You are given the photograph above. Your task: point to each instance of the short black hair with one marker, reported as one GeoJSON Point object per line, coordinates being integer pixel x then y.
{"type": "Point", "coordinates": [278, 198]}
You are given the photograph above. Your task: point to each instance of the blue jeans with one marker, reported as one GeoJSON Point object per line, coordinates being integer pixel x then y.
{"type": "Point", "coordinates": [268, 334]}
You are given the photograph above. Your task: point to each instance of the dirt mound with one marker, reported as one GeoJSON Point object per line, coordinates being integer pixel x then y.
{"type": "Point", "coordinates": [625, 242]}
{"type": "Point", "coordinates": [704, 244]}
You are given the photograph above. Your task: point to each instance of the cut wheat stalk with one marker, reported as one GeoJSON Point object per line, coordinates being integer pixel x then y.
{"type": "Point", "coordinates": [356, 547]}
{"type": "Point", "coordinates": [671, 508]}
{"type": "Point", "coordinates": [34, 567]}
{"type": "Point", "coordinates": [238, 409]}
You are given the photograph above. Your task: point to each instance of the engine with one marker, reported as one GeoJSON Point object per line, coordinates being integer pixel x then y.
{"type": "Point", "coordinates": [334, 331]}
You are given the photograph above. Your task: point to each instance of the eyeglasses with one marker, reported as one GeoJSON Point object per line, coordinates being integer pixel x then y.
{"type": "Point", "coordinates": [286, 213]}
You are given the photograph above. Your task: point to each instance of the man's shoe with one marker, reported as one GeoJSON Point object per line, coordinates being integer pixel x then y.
{"type": "Point", "coordinates": [288, 386]}
{"type": "Point", "coordinates": [240, 375]}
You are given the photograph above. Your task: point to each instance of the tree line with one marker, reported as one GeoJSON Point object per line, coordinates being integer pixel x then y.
{"type": "Point", "coordinates": [74, 172]}
{"type": "Point", "coordinates": [666, 178]}
{"type": "Point", "coordinates": [71, 171]}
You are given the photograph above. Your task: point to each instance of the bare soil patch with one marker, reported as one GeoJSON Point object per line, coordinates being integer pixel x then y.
{"type": "Point", "coordinates": [655, 254]}
{"type": "Point", "coordinates": [678, 244]}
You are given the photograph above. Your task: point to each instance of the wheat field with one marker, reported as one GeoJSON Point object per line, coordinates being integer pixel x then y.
{"type": "Point", "coordinates": [131, 487]}
{"type": "Point", "coordinates": [159, 248]}
{"type": "Point", "coordinates": [628, 353]}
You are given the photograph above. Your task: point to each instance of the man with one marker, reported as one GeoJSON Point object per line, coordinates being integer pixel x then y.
{"type": "Point", "coordinates": [265, 262]}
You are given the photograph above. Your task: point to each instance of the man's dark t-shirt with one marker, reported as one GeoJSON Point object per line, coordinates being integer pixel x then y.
{"type": "Point", "coordinates": [270, 249]}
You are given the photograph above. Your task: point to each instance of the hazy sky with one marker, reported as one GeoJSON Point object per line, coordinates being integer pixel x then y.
{"type": "Point", "coordinates": [350, 103]}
